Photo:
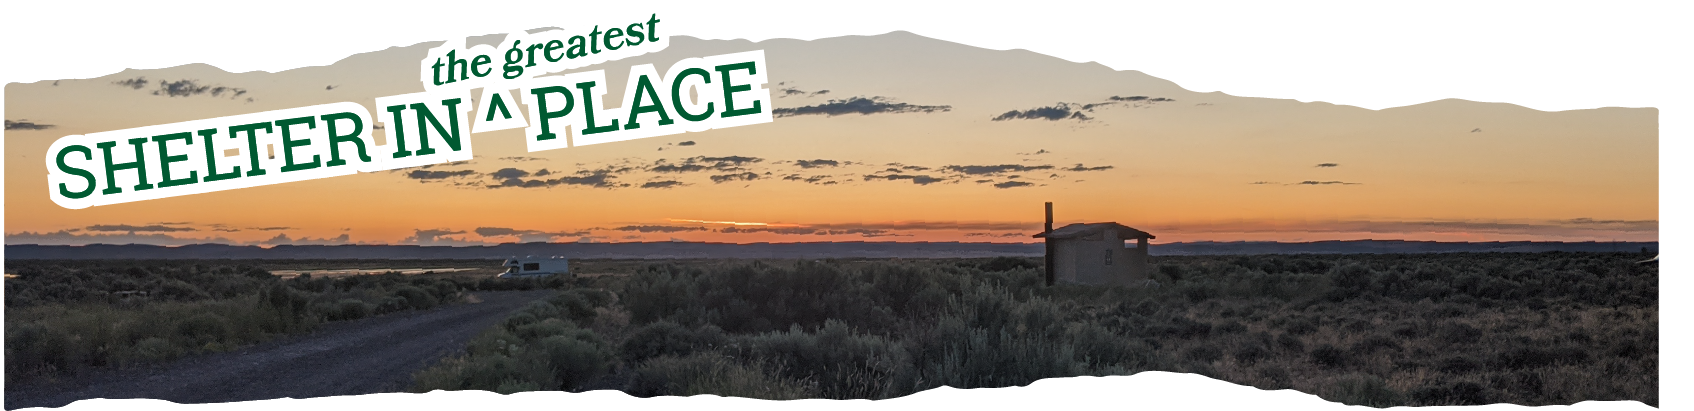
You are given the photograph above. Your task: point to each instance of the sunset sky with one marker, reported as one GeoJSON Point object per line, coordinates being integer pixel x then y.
{"type": "Point", "coordinates": [894, 137]}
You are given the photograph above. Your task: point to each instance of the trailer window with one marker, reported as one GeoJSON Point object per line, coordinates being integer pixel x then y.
{"type": "Point", "coordinates": [531, 266]}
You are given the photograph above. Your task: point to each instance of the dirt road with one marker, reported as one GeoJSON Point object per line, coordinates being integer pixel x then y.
{"type": "Point", "coordinates": [372, 355]}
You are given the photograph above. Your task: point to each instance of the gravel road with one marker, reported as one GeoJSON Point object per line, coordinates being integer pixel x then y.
{"type": "Point", "coordinates": [372, 355]}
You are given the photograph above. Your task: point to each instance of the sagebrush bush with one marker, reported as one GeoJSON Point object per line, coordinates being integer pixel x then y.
{"type": "Point", "coordinates": [711, 373]}
{"type": "Point", "coordinates": [668, 338]}
{"type": "Point", "coordinates": [1366, 390]}
{"type": "Point", "coordinates": [69, 315]}
{"type": "Point", "coordinates": [574, 361]}
{"type": "Point", "coordinates": [843, 363]}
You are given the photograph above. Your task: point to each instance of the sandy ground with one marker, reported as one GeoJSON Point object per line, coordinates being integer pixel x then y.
{"type": "Point", "coordinates": [372, 355]}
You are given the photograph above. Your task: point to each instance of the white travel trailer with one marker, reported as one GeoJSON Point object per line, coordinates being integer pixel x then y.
{"type": "Point", "coordinates": [535, 267]}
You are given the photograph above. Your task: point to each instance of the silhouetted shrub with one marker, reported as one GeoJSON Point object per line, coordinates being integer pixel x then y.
{"type": "Point", "coordinates": [350, 309]}
{"type": "Point", "coordinates": [708, 373]}
{"type": "Point", "coordinates": [1203, 353]}
{"type": "Point", "coordinates": [1458, 365]}
{"type": "Point", "coordinates": [1329, 356]}
{"type": "Point", "coordinates": [1531, 357]}
{"type": "Point", "coordinates": [1366, 390]}
{"type": "Point", "coordinates": [1459, 333]}
{"type": "Point", "coordinates": [1251, 354]}
{"type": "Point", "coordinates": [573, 360]}
{"type": "Point", "coordinates": [668, 338]}
{"type": "Point", "coordinates": [1459, 393]}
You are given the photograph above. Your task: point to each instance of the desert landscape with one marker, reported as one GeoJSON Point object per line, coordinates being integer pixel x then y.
{"type": "Point", "coordinates": [1368, 329]}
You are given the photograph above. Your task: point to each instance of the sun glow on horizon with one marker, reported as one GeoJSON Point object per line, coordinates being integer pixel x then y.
{"type": "Point", "coordinates": [733, 223]}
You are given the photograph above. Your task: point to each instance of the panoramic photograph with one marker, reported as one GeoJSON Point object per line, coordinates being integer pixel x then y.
{"type": "Point", "coordinates": [911, 216]}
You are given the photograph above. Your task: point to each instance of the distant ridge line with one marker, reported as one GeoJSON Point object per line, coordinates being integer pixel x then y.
{"type": "Point", "coordinates": [852, 249]}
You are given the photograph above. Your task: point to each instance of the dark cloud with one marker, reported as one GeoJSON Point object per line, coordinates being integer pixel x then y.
{"type": "Point", "coordinates": [737, 160]}
{"type": "Point", "coordinates": [916, 179]}
{"type": "Point", "coordinates": [1079, 167]}
{"type": "Point", "coordinates": [437, 175]}
{"type": "Point", "coordinates": [863, 232]}
{"type": "Point", "coordinates": [1260, 183]}
{"type": "Point", "coordinates": [271, 228]}
{"type": "Point", "coordinates": [1011, 184]}
{"type": "Point", "coordinates": [662, 184]}
{"type": "Point", "coordinates": [791, 91]}
{"type": "Point", "coordinates": [817, 163]}
{"type": "Point", "coordinates": [1075, 111]}
{"type": "Point", "coordinates": [1139, 99]}
{"type": "Point", "coordinates": [499, 231]}
{"type": "Point", "coordinates": [543, 173]}
{"type": "Point", "coordinates": [868, 232]}
{"type": "Point", "coordinates": [703, 163]}
{"type": "Point", "coordinates": [1002, 235]}
{"type": "Point", "coordinates": [521, 183]}
{"type": "Point", "coordinates": [186, 88]}
{"type": "Point", "coordinates": [126, 228]}
{"type": "Point", "coordinates": [182, 88]}
{"type": "Point", "coordinates": [734, 177]}
{"type": "Point", "coordinates": [991, 170]}
{"type": "Point", "coordinates": [1061, 111]}
{"type": "Point", "coordinates": [1324, 183]}
{"type": "Point", "coordinates": [526, 236]}
{"type": "Point", "coordinates": [677, 168]}
{"type": "Point", "coordinates": [660, 228]}
{"type": "Point", "coordinates": [438, 237]}
{"type": "Point", "coordinates": [858, 105]}
{"type": "Point", "coordinates": [437, 232]}
{"type": "Point", "coordinates": [282, 238]}
{"type": "Point", "coordinates": [509, 173]}
{"type": "Point", "coordinates": [774, 230]}
{"type": "Point", "coordinates": [70, 237]}
{"type": "Point", "coordinates": [1328, 165]}
{"type": "Point", "coordinates": [598, 178]}
{"type": "Point", "coordinates": [1626, 225]}
{"type": "Point", "coordinates": [134, 83]}
{"type": "Point", "coordinates": [819, 179]}
{"type": "Point", "coordinates": [25, 124]}
{"type": "Point", "coordinates": [686, 143]}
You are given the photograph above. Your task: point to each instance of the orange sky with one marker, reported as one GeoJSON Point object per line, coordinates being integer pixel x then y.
{"type": "Point", "coordinates": [930, 163]}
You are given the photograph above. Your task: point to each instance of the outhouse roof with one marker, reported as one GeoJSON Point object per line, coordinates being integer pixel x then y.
{"type": "Point", "coordinates": [1088, 229]}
